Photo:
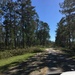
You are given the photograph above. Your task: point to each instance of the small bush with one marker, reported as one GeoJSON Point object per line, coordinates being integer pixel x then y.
{"type": "Point", "coordinates": [15, 52]}
{"type": "Point", "coordinates": [37, 50]}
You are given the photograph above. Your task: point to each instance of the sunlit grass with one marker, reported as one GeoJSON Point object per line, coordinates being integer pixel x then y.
{"type": "Point", "coordinates": [13, 59]}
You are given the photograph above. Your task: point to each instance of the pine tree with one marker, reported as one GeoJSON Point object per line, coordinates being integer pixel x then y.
{"type": "Point", "coordinates": [68, 8]}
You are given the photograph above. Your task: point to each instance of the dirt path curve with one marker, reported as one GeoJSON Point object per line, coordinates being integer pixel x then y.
{"type": "Point", "coordinates": [50, 62]}
{"type": "Point", "coordinates": [52, 50]}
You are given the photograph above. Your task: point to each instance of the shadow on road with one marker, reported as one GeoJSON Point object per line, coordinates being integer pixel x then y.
{"type": "Point", "coordinates": [55, 64]}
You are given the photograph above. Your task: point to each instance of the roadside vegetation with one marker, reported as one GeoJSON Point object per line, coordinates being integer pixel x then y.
{"type": "Point", "coordinates": [65, 33]}
{"type": "Point", "coordinates": [20, 26]}
{"type": "Point", "coordinates": [13, 59]}
{"type": "Point", "coordinates": [15, 52]}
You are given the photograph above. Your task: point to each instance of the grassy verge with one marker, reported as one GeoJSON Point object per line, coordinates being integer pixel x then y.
{"type": "Point", "coordinates": [10, 53]}
{"type": "Point", "coordinates": [12, 58]}
{"type": "Point", "coordinates": [18, 58]}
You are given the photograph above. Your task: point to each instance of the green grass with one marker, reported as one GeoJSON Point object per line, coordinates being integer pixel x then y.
{"type": "Point", "coordinates": [13, 59]}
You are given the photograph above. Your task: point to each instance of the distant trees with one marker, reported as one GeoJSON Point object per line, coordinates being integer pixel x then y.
{"type": "Point", "coordinates": [20, 25]}
{"type": "Point", "coordinates": [61, 33]}
{"type": "Point", "coordinates": [44, 31]}
{"type": "Point", "coordinates": [66, 26]}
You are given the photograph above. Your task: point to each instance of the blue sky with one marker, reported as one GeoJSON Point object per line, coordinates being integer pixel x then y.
{"type": "Point", "coordinates": [48, 11]}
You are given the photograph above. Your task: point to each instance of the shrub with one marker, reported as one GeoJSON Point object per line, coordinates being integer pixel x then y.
{"type": "Point", "coordinates": [15, 52]}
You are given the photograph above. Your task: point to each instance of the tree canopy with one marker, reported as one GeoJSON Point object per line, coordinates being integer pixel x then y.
{"type": "Point", "coordinates": [20, 25]}
{"type": "Point", "coordinates": [65, 33]}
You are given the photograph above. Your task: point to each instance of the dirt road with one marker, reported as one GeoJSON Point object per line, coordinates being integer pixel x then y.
{"type": "Point", "coordinates": [50, 62]}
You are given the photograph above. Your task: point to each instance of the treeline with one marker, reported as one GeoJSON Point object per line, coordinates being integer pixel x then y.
{"type": "Point", "coordinates": [65, 33]}
{"type": "Point", "coordinates": [20, 25]}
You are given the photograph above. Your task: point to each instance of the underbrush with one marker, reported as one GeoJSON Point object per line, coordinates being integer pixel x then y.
{"type": "Point", "coordinates": [15, 52]}
{"type": "Point", "coordinates": [67, 51]}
